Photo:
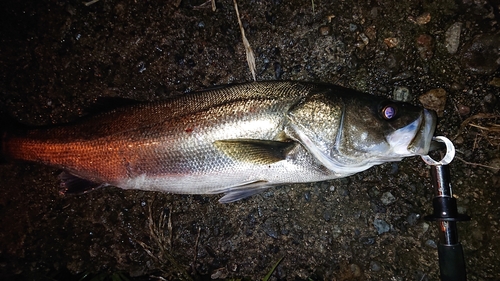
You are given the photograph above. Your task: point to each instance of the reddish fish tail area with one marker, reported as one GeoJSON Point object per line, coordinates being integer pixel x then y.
{"type": "Point", "coordinates": [17, 148]}
{"type": "Point", "coordinates": [97, 160]}
{"type": "Point", "coordinates": [3, 158]}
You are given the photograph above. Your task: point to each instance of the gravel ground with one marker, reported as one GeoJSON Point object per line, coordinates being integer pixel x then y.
{"type": "Point", "coordinates": [58, 57]}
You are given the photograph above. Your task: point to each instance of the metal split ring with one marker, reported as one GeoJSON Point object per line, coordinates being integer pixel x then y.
{"type": "Point", "coordinates": [448, 157]}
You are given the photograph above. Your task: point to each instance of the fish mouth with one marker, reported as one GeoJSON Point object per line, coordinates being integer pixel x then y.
{"type": "Point", "coordinates": [421, 142]}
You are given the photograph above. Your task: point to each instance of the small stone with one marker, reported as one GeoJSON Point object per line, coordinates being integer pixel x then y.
{"type": "Point", "coordinates": [431, 243]}
{"type": "Point", "coordinates": [336, 232]}
{"type": "Point", "coordinates": [461, 210]}
{"type": "Point", "coordinates": [425, 46]}
{"type": "Point", "coordinates": [495, 82]}
{"type": "Point", "coordinates": [391, 42]}
{"type": "Point", "coordinates": [423, 18]}
{"type": "Point", "coordinates": [401, 93]}
{"type": "Point", "coordinates": [353, 27]}
{"type": "Point", "coordinates": [374, 266]}
{"type": "Point", "coordinates": [412, 218]}
{"type": "Point", "coordinates": [387, 198]}
{"type": "Point", "coordinates": [327, 216]}
{"type": "Point", "coordinates": [452, 37]}
{"type": "Point", "coordinates": [490, 98]}
{"type": "Point", "coordinates": [425, 227]}
{"type": "Point", "coordinates": [402, 76]}
{"type": "Point", "coordinates": [356, 270]}
{"type": "Point", "coordinates": [482, 55]}
{"type": "Point", "coordinates": [364, 38]}
{"type": "Point", "coordinates": [270, 228]}
{"type": "Point", "coordinates": [381, 226]}
{"type": "Point", "coordinates": [371, 32]}
{"type": "Point", "coordinates": [394, 169]}
{"type": "Point", "coordinates": [463, 110]}
{"type": "Point", "coordinates": [325, 30]}
{"type": "Point", "coordinates": [220, 273]}
{"type": "Point", "coordinates": [434, 99]}
{"type": "Point", "coordinates": [456, 87]}
{"type": "Point", "coordinates": [494, 165]}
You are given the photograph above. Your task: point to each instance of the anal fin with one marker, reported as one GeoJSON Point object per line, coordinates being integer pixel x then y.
{"type": "Point", "coordinates": [71, 184]}
{"type": "Point", "coordinates": [243, 191]}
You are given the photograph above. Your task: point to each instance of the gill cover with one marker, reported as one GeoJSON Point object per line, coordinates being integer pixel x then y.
{"type": "Point", "coordinates": [348, 131]}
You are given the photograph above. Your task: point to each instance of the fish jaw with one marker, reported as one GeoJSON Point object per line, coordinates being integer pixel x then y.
{"type": "Point", "coordinates": [416, 137]}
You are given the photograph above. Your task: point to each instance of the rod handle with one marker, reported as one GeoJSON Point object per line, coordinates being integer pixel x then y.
{"type": "Point", "coordinates": [451, 262]}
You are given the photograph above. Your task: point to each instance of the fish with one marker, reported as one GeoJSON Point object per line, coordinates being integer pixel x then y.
{"type": "Point", "coordinates": [237, 139]}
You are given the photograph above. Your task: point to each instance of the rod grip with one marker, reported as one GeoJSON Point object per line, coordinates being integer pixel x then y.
{"type": "Point", "coordinates": [451, 262]}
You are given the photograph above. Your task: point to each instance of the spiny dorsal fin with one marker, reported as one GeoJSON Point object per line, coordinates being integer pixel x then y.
{"type": "Point", "coordinates": [256, 151]}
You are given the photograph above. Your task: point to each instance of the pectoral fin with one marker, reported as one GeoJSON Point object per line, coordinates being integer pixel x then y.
{"type": "Point", "coordinates": [256, 151]}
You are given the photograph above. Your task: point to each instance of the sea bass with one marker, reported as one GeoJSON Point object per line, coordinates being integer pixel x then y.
{"type": "Point", "coordinates": [237, 140]}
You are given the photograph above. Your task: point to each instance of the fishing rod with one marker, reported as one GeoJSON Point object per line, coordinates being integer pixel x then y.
{"type": "Point", "coordinates": [450, 251]}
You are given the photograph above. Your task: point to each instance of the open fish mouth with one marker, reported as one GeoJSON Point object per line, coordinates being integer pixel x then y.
{"type": "Point", "coordinates": [421, 142]}
{"type": "Point", "coordinates": [415, 138]}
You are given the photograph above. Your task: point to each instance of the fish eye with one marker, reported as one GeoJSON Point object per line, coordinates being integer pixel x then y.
{"type": "Point", "coordinates": [389, 112]}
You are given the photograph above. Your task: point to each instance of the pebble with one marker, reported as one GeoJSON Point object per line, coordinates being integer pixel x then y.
{"type": "Point", "coordinates": [423, 18]}
{"type": "Point", "coordinates": [412, 218]}
{"type": "Point", "coordinates": [220, 273]}
{"type": "Point", "coordinates": [495, 82]}
{"type": "Point", "coordinates": [402, 76]}
{"type": "Point", "coordinates": [336, 232]}
{"type": "Point", "coordinates": [394, 168]}
{"type": "Point", "coordinates": [425, 46]}
{"type": "Point", "coordinates": [452, 37]}
{"type": "Point", "coordinates": [371, 32]}
{"type": "Point", "coordinates": [325, 30]}
{"type": "Point", "coordinates": [490, 98]}
{"type": "Point", "coordinates": [374, 266]}
{"type": "Point", "coordinates": [381, 226]}
{"type": "Point", "coordinates": [495, 165]}
{"type": "Point", "coordinates": [425, 227]}
{"type": "Point", "coordinates": [431, 243]}
{"type": "Point", "coordinates": [387, 198]}
{"type": "Point", "coordinates": [391, 42]}
{"type": "Point", "coordinates": [401, 93]}
{"type": "Point", "coordinates": [434, 99]}
{"type": "Point", "coordinates": [482, 55]}
{"type": "Point", "coordinates": [364, 38]}
{"type": "Point", "coordinates": [327, 215]}
{"type": "Point", "coordinates": [270, 228]}
{"type": "Point", "coordinates": [456, 86]}
{"type": "Point", "coordinates": [356, 270]}
{"type": "Point", "coordinates": [463, 110]}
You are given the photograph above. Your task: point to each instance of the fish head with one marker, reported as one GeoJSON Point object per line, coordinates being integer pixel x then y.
{"type": "Point", "coordinates": [384, 130]}
{"type": "Point", "coordinates": [348, 131]}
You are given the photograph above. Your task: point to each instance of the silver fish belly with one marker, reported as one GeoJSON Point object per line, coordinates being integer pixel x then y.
{"type": "Point", "coordinates": [236, 140]}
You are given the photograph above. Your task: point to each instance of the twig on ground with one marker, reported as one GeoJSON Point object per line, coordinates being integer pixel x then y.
{"type": "Point", "coordinates": [248, 49]}
{"type": "Point", "coordinates": [90, 2]}
{"type": "Point", "coordinates": [476, 164]}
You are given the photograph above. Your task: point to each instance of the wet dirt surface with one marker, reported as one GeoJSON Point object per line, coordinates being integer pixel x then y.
{"type": "Point", "coordinates": [58, 57]}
